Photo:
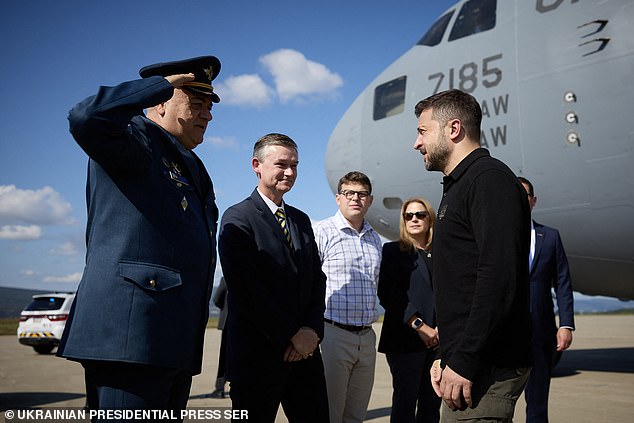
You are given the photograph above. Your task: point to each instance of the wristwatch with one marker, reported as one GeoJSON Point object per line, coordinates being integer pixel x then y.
{"type": "Point", "coordinates": [418, 322]}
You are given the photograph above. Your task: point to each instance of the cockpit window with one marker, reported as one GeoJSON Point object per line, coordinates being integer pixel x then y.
{"type": "Point", "coordinates": [389, 98]}
{"type": "Point", "coordinates": [434, 35]}
{"type": "Point", "coordinates": [475, 16]}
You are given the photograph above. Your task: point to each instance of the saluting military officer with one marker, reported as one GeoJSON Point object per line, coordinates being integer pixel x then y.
{"type": "Point", "coordinates": [139, 317]}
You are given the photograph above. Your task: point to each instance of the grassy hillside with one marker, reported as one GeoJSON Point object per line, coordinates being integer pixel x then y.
{"type": "Point", "coordinates": [9, 326]}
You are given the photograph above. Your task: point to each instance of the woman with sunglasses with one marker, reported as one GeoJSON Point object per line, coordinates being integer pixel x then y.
{"type": "Point", "coordinates": [409, 336]}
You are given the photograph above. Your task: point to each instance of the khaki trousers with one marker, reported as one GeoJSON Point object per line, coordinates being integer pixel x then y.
{"type": "Point", "coordinates": [349, 361]}
{"type": "Point", "coordinates": [494, 393]}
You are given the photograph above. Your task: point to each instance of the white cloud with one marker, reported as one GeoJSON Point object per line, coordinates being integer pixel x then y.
{"type": "Point", "coordinates": [44, 206]}
{"type": "Point", "coordinates": [248, 90]}
{"type": "Point", "coordinates": [20, 233]}
{"type": "Point", "coordinates": [72, 278]}
{"type": "Point", "coordinates": [296, 77]}
{"type": "Point", "coordinates": [65, 249]}
{"type": "Point", "coordinates": [229, 143]}
{"type": "Point", "coordinates": [28, 273]}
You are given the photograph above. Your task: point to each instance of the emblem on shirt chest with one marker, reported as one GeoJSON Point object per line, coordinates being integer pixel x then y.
{"type": "Point", "coordinates": [442, 211]}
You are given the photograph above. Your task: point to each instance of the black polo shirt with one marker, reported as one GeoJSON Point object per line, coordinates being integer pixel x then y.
{"type": "Point", "coordinates": [480, 267]}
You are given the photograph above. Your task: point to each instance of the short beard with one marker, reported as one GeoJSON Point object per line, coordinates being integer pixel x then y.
{"type": "Point", "coordinates": [438, 157]}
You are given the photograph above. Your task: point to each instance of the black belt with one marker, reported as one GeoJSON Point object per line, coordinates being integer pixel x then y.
{"type": "Point", "coordinates": [349, 328]}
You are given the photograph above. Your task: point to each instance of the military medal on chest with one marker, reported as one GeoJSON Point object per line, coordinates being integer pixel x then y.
{"type": "Point", "coordinates": [175, 174]}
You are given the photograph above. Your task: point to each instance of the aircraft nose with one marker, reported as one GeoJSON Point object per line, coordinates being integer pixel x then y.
{"type": "Point", "coordinates": [343, 153]}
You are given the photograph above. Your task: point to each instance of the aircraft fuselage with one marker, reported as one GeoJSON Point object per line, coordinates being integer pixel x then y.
{"type": "Point", "coordinates": [554, 80]}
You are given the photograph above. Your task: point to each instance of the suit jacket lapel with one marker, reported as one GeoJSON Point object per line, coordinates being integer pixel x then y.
{"type": "Point", "coordinates": [267, 216]}
{"type": "Point", "coordinates": [295, 233]}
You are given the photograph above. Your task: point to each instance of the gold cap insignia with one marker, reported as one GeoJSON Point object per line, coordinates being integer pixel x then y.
{"type": "Point", "coordinates": [209, 71]}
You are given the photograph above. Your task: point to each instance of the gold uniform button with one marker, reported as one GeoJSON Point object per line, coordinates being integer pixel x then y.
{"type": "Point", "coordinates": [152, 283]}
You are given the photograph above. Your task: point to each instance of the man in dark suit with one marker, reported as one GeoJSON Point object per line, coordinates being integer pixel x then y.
{"type": "Point", "coordinates": [276, 295]}
{"type": "Point", "coordinates": [219, 298]}
{"type": "Point", "coordinates": [138, 320]}
{"type": "Point", "coordinates": [548, 269]}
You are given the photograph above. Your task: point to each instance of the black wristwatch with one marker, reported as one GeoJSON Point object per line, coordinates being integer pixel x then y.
{"type": "Point", "coordinates": [418, 322]}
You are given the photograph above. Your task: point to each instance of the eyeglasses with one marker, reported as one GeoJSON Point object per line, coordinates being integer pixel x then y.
{"type": "Point", "coordinates": [419, 215]}
{"type": "Point", "coordinates": [349, 194]}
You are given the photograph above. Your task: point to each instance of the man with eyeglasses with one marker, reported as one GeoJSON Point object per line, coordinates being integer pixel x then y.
{"type": "Point", "coordinates": [350, 252]}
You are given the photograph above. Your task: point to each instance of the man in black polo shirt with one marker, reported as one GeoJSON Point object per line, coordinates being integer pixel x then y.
{"type": "Point", "coordinates": [480, 267]}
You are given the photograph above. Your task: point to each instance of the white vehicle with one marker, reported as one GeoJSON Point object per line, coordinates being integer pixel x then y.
{"type": "Point", "coordinates": [42, 321]}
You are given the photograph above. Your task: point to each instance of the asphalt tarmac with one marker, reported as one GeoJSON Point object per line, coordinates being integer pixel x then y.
{"type": "Point", "coordinates": [593, 382]}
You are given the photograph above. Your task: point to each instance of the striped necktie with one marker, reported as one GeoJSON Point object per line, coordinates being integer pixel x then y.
{"type": "Point", "coordinates": [281, 219]}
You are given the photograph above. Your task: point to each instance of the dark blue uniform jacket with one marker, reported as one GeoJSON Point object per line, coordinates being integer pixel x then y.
{"type": "Point", "coordinates": [150, 235]}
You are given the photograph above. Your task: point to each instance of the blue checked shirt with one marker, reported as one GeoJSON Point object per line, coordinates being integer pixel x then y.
{"type": "Point", "coordinates": [351, 261]}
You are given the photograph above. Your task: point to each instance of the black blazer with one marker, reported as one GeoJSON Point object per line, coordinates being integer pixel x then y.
{"type": "Point", "coordinates": [404, 288]}
{"type": "Point", "coordinates": [273, 290]}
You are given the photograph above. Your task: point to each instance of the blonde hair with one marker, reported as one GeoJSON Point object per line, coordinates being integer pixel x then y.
{"type": "Point", "coordinates": [406, 241]}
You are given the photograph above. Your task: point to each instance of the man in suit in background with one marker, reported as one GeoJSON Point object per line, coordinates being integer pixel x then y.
{"type": "Point", "coordinates": [219, 298]}
{"type": "Point", "coordinates": [138, 322]}
{"type": "Point", "coordinates": [548, 269]}
{"type": "Point", "coordinates": [276, 295]}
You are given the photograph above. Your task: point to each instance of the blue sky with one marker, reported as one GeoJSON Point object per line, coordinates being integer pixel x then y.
{"type": "Point", "coordinates": [287, 66]}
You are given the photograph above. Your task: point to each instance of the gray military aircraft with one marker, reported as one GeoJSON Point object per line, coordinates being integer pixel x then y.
{"type": "Point", "coordinates": [555, 79]}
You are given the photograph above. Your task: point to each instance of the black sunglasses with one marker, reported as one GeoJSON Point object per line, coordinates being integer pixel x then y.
{"type": "Point", "coordinates": [419, 215]}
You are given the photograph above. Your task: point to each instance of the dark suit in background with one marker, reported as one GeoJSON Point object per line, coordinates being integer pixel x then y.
{"type": "Point", "coordinates": [405, 289]}
{"type": "Point", "coordinates": [274, 290]}
{"type": "Point", "coordinates": [549, 269]}
{"type": "Point", "coordinates": [219, 298]}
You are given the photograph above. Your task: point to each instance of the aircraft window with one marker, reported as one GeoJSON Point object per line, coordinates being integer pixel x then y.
{"type": "Point", "coordinates": [475, 16]}
{"type": "Point", "coordinates": [389, 98]}
{"type": "Point", "coordinates": [434, 35]}
{"type": "Point", "coordinates": [393, 203]}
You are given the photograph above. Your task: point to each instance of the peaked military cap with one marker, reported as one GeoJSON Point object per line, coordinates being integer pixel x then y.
{"type": "Point", "coordinates": [204, 68]}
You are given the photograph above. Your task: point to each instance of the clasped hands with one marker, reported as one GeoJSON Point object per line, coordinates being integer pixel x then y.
{"type": "Point", "coordinates": [302, 345]}
{"type": "Point", "coordinates": [428, 335]}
